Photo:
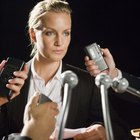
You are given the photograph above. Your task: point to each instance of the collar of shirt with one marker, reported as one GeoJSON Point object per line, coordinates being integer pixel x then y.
{"type": "Point", "coordinates": [57, 75]}
{"type": "Point", "coordinates": [52, 89]}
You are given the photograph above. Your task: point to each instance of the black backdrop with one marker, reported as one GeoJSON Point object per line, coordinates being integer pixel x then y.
{"type": "Point", "coordinates": [112, 24]}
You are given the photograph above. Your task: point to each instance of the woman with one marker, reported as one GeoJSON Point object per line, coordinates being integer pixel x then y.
{"type": "Point", "coordinates": [50, 33]}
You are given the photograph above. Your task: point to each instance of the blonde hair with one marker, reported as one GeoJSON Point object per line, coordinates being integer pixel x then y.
{"type": "Point", "coordinates": [40, 9]}
{"type": "Point", "coordinates": [46, 6]}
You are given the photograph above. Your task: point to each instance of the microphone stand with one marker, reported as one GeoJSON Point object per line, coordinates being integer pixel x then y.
{"type": "Point", "coordinates": [106, 112]}
{"type": "Point", "coordinates": [65, 109]}
{"type": "Point", "coordinates": [133, 91]}
{"type": "Point", "coordinates": [104, 82]}
{"type": "Point", "coordinates": [69, 80]}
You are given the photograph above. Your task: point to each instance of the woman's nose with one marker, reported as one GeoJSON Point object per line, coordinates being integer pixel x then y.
{"type": "Point", "coordinates": [59, 41]}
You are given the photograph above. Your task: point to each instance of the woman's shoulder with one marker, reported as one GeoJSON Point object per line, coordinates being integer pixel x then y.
{"type": "Point", "coordinates": [29, 62]}
{"type": "Point", "coordinates": [81, 73]}
{"type": "Point", "coordinates": [73, 68]}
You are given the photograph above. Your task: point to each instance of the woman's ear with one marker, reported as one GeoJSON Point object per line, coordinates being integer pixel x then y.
{"type": "Point", "coordinates": [32, 35]}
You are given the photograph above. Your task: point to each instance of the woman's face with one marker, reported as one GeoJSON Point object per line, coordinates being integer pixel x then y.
{"type": "Point", "coordinates": [52, 42]}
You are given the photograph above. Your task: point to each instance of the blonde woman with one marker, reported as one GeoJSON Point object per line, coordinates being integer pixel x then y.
{"type": "Point", "coordinates": [50, 28]}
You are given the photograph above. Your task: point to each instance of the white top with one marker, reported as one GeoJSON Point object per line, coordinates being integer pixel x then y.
{"type": "Point", "coordinates": [52, 89]}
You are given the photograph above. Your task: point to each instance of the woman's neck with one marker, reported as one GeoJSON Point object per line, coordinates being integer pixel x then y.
{"type": "Point", "coordinates": [46, 70]}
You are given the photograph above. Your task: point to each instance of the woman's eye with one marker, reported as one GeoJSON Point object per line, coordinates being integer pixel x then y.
{"type": "Point", "coordinates": [49, 33]}
{"type": "Point", "coordinates": [66, 33]}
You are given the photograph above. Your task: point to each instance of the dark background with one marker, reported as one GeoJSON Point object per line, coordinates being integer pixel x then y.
{"type": "Point", "coordinates": [112, 24]}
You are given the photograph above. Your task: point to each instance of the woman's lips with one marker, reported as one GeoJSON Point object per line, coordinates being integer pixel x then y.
{"type": "Point", "coordinates": [58, 51]}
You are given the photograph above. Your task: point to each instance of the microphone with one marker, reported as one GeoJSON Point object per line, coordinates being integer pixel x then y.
{"type": "Point", "coordinates": [69, 81]}
{"type": "Point", "coordinates": [70, 78]}
{"type": "Point", "coordinates": [103, 79]}
{"type": "Point", "coordinates": [122, 85]}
